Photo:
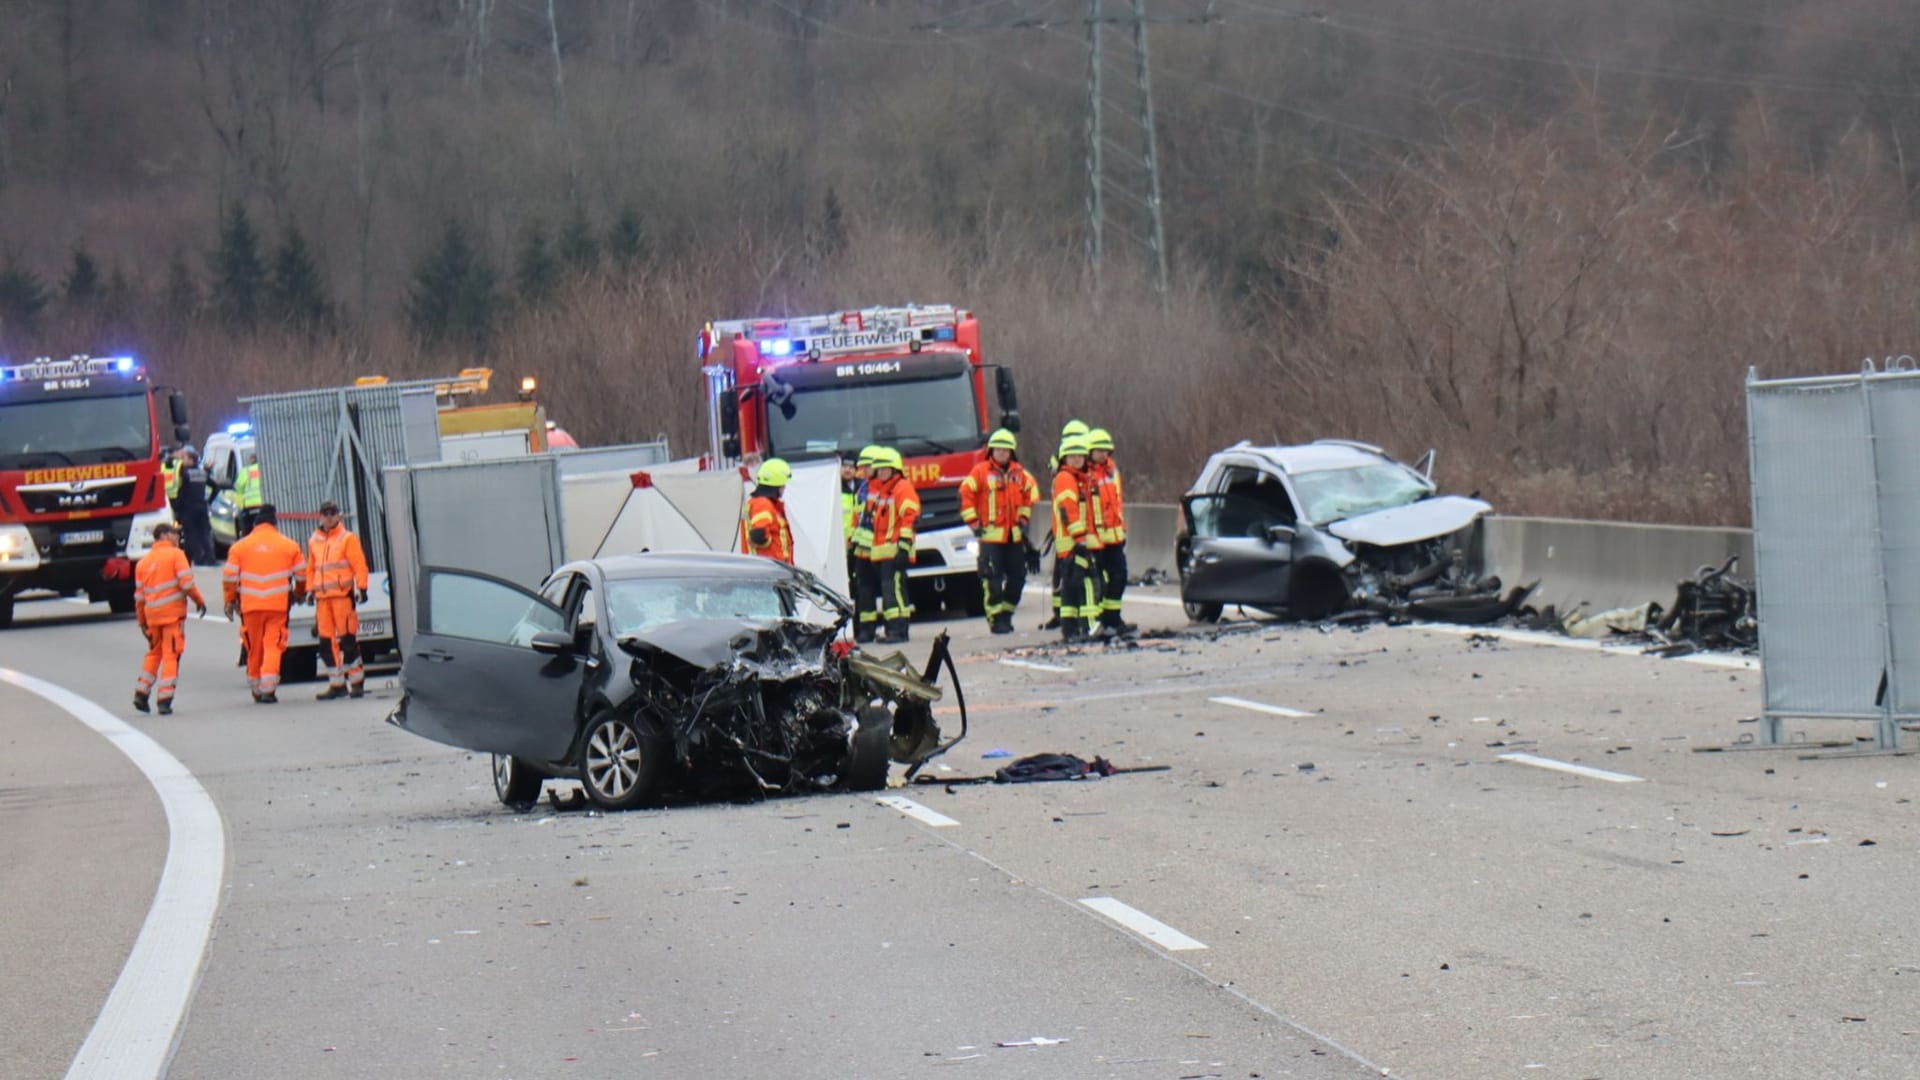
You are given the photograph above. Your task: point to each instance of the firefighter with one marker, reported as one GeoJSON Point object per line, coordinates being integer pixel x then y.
{"type": "Point", "coordinates": [865, 576]}
{"type": "Point", "coordinates": [1110, 529]}
{"type": "Point", "coordinates": [336, 582]}
{"type": "Point", "coordinates": [1068, 431]}
{"type": "Point", "coordinates": [190, 507]}
{"type": "Point", "coordinates": [162, 585]}
{"type": "Point", "coordinates": [768, 533]}
{"type": "Point", "coordinates": [895, 507]}
{"type": "Point", "coordinates": [265, 573]}
{"type": "Point", "coordinates": [1072, 540]}
{"type": "Point", "coordinates": [996, 502]}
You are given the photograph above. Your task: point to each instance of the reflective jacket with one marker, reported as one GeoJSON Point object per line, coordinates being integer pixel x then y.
{"type": "Point", "coordinates": [767, 532]}
{"type": "Point", "coordinates": [894, 506]}
{"type": "Point", "coordinates": [1070, 511]}
{"type": "Point", "coordinates": [335, 564]}
{"type": "Point", "coordinates": [246, 489]}
{"type": "Point", "coordinates": [162, 585]}
{"type": "Point", "coordinates": [850, 510]}
{"type": "Point", "coordinates": [264, 572]}
{"type": "Point", "coordinates": [171, 470]}
{"type": "Point", "coordinates": [1108, 504]}
{"type": "Point", "coordinates": [998, 502]}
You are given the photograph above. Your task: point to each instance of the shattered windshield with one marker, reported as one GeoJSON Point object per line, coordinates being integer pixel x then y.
{"type": "Point", "coordinates": [75, 431]}
{"type": "Point", "coordinates": [1334, 494]}
{"type": "Point", "coordinates": [637, 605]}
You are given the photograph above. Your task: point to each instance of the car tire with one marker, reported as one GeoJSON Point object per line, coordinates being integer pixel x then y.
{"type": "Point", "coordinates": [1196, 611]}
{"type": "Point", "coordinates": [621, 766]}
{"type": "Point", "coordinates": [516, 782]}
{"type": "Point", "coordinates": [299, 665]}
{"type": "Point", "coordinates": [1316, 592]}
{"type": "Point", "coordinates": [871, 756]}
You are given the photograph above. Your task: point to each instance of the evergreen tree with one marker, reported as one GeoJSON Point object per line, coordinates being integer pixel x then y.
{"type": "Point", "coordinates": [22, 297]}
{"type": "Point", "coordinates": [537, 274]}
{"type": "Point", "coordinates": [239, 275]}
{"type": "Point", "coordinates": [82, 284]}
{"type": "Point", "coordinates": [296, 295]}
{"type": "Point", "coordinates": [453, 297]}
{"type": "Point", "coordinates": [627, 240]}
{"type": "Point", "coordinates": [182, 296]}
{"type": "Point", "coordinates": [579, 251]}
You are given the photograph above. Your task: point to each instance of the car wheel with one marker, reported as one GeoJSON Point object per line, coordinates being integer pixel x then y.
{"type": "Point", "coordinates": [621, 765]}
{"type": "Point", "coordinates": [872, 753]}
{"type": "Point", "coordinates": [516, 782]}
{"type": "Point", "coordinates": [1317, 593]}
{"type": "Point", "coordinates": [1196, 611]}
{"type": "Point", "coordinates": [120, 601]}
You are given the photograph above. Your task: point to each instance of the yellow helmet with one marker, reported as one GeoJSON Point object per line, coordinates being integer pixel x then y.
{"type": "Point", "coordinates": [1002, 440]}
{"type": "Point", "coordinates": [774, 473]}
{"type": "Point", "coordinates": [1098, 439]}
{"type": "Point", "coordinates": [892, 459]}
{"type": "Point", "coordinates": [1074, 427]}
{"type": "Point", "coordinates": [1073, 444]}
{"type": "Point", "coordinates": [870, 455]}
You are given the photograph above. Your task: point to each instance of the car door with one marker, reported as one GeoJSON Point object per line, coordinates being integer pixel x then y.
{"type": "Point", "coordinates": [473, 679]}
{"type": "Point", "coordinates": [1240, 550]}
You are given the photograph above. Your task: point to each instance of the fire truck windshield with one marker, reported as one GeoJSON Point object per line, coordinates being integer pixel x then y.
{"type": "Point", "coordinates": [916, 416]}
{"type": "Point", "coordinates": [74, 431]}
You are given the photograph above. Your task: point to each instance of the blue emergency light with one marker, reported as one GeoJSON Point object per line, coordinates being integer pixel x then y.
{"type": "Point", "coordinates": [239, 427]}
{"type": "Point", "coordinates": [123, 364]}
{"type": "Point", "coordinates": [943, 333]}
{"type": "Point", "coordinates": [779, 347]}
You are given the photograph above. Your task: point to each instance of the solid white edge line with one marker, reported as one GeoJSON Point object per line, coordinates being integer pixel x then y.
{"type": "Point", "coordinates": [135, 1033]}
{"type": "Point", "coordinates": [1037, 667]}
{"type": "Point", "coordinates": [1568, 767]}
{"type": "Point", "coordinates": [1258, 706]}
{"type": "Point", "coordinates": [1143, 924]}
{"type": "Point", "coordinates": [1541, 637]}
{"type": "Point", "coordinates": [1162, 601]}
{"type": "Point", "coordinates": [919, 813]}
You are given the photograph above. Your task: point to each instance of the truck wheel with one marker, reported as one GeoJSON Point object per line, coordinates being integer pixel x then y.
{"type": "Point", "coordinates": [299, 665]}
{"type": "Point", "coordinates": [621, 766]}
{"type": "Point", "coordinates": [976, 593]}
{"type": "Point", "coordinates": [872, 753]}
{"type": "Point", "coordinates": [120, 601]}
{"type": "Point", "coordinates": [516, 782]}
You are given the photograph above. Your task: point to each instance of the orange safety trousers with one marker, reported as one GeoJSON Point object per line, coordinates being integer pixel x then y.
{"type": "Point", "coordinates": [265, 635]}
{"type": "Point", "coordinates": [339, 626]}
{"type": "Point", "coordinates": [160, 671]}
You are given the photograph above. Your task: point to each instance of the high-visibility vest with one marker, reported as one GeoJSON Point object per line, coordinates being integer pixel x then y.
{"type": "Point", "coordinates": [171, 470]}
{"type": "Point", "coordinates": [894, 506]}
{"type": "Point", "coordinates": [769, 516]}
{"type": "Point", "coordinates": [998, 500]}
{"type": "Point", "coordinates": [264, 571]}
{"type": "Point", "coordinates": [1108, 504]}
{"type": "Point", "coordinates": [336, 565]}
{"type": "Point", "coordinates": [162, 584]}
{"type": "Point", "coordinates": [247, 487]}
{"type": "Point", "coordinates": [1069, 511]}
{"type": "Point", "coordinates": [850, 509]}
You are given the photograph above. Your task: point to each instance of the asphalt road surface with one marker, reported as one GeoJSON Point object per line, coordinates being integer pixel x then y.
{"type": "Point", "coordinates": [1339, 875]}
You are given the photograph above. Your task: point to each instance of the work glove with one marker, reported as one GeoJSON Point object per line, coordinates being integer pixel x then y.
{"type": "Point", "coordinates": [360, 596]}
{"type": "Point", "coordinates": [979, 531]}
{"type": "Point", "coordinates": [202, 605]}
{"type": "Point", "coordinates": [232, 609]}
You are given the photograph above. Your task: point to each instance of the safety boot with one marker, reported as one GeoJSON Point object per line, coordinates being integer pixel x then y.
{"type": "Point", "coordinates": [863, 634]}
{"type": "Point", "coordinates": [165, 708]}
{"type": "Point", "coordinates": [139, 701]}
{"type": "Point", "coordinates": [1001, 624]}
{"type": "Point", "coordinates": [1053, 623]}
{"type": "Point", "coordinates": [1111, 621]}
{"type": "Point", "coordinates": [330, 693]}
{"type": "Point", "coordinates": [1072, 630]}
{"type": "Point", "coordinates": [897, 631]}
{"type": "Point", "coordinates": [356, 691]}
{"type": "Point", "coordinates": [266, 699]}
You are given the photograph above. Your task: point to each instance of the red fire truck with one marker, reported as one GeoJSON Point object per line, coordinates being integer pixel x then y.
{"type": "Point", "coordinates": [80, 483]}
{"type": "Point", "coordinates": [912, 378]}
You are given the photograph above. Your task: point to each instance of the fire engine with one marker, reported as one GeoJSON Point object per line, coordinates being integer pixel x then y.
{"type": "Point", "coordinates": [912, 378]}
{"type": "Point", "coordinates": [81, 443]}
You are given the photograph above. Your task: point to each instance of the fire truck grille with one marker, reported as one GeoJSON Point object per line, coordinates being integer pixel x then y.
{"type": "Point", "coordinates": [939, 509]}
{"type": "Point", "coordinates": [62, 500]}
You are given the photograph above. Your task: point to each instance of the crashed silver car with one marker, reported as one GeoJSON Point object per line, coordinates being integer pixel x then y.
{"type": "Point", "coordinates": [644, 676]}
{"type": "Point", "coordinates": [1311, 531]}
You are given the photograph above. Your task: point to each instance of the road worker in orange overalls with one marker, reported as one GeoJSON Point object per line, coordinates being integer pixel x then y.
{"type": "Point", "coordinates": [162, 585]}
{"type": "Point", "coordinates": [265, 574]}
{"type": "Point", "coordinates": [336, 581]}
{"type": "Point", "coordinates": [768, 533]}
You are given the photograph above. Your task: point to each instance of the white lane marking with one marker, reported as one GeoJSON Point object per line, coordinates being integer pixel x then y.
{"type": "Point", "coordinates": [135, 1031]}
{"type": "Point", "coordinates": [917, 812]}
{"type": "Point", "coordinates": [1143, 924]}
{"type": "Point", "coordinates": [1568, 767]}
{"type": "Point", "coordinates": [1257, 706]}
{"type": "Point", "coordinates": [1539, 637]}
{"type": "Point", "coordinates": [1030, 665]}
{"type": "Point", "coordinates": [1162, 601]}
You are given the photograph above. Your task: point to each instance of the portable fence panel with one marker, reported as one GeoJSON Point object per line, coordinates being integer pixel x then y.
{"type": "Point", "coordinates": [1820, 593]}
{"type": "Point", "coordinates": [1896, 440]}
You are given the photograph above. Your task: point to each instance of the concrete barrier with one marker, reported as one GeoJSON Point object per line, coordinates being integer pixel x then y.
{"type": "Point", "coordinates": [1604, 564]}
{"type": "Point", "coordinates": [1151, 529]}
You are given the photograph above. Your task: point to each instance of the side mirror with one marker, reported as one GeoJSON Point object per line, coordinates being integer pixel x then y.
{"type": "Point", "coordinates": [1009, 395]}
{"type": "Point", "coordinates": [730, 414]}
{"type": "Point", "coordinates": [730, 445]}
{"type": "Point", "coordinates": [177, 407]}
{"type": "Point", "coordinates": [1279, 534]}
{"type": "Point", "coordinates": [1010, 421]}
{"type": "Point", "coordinates": [552, 642]}
{"type": "Point", "coordinates": [182, 434]}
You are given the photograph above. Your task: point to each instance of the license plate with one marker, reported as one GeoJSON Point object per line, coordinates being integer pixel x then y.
{"type": "Point", "coordinates": [87, 536]}
{"type": "Point", "coordinates": [374, 628]}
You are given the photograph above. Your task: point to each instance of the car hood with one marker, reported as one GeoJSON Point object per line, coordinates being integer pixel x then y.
{"type": "Point", "coordinates": [1423, 520]}
{"type": "Point", "coordinates": [707, 643]}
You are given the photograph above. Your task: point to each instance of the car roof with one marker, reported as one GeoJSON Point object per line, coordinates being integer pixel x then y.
{"type": "Point", "coordinates": [1313, 457]}
{"type": "Point", "coordinates": [676, 564]}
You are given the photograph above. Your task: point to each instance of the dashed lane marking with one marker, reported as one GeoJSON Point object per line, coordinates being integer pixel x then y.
{"type": "Point", "coordinates": [135, 1031]}
{"type": "Point", "coordinates": [1143, 924]}
{"type": "Point", "coordinates": [1032, 666]}
{"type": "Point", "coordinates": [1258, 706]}
{"type": "Point", "coordinates": [917, 812]}
{"type": "Point", "coordinates": [1569, 767]}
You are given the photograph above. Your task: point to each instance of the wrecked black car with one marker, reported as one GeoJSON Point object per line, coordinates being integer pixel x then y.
{"type": "Point", "coordinates": [1308, 532]}
{"type": "Point", "coordinates": [647, 675]}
